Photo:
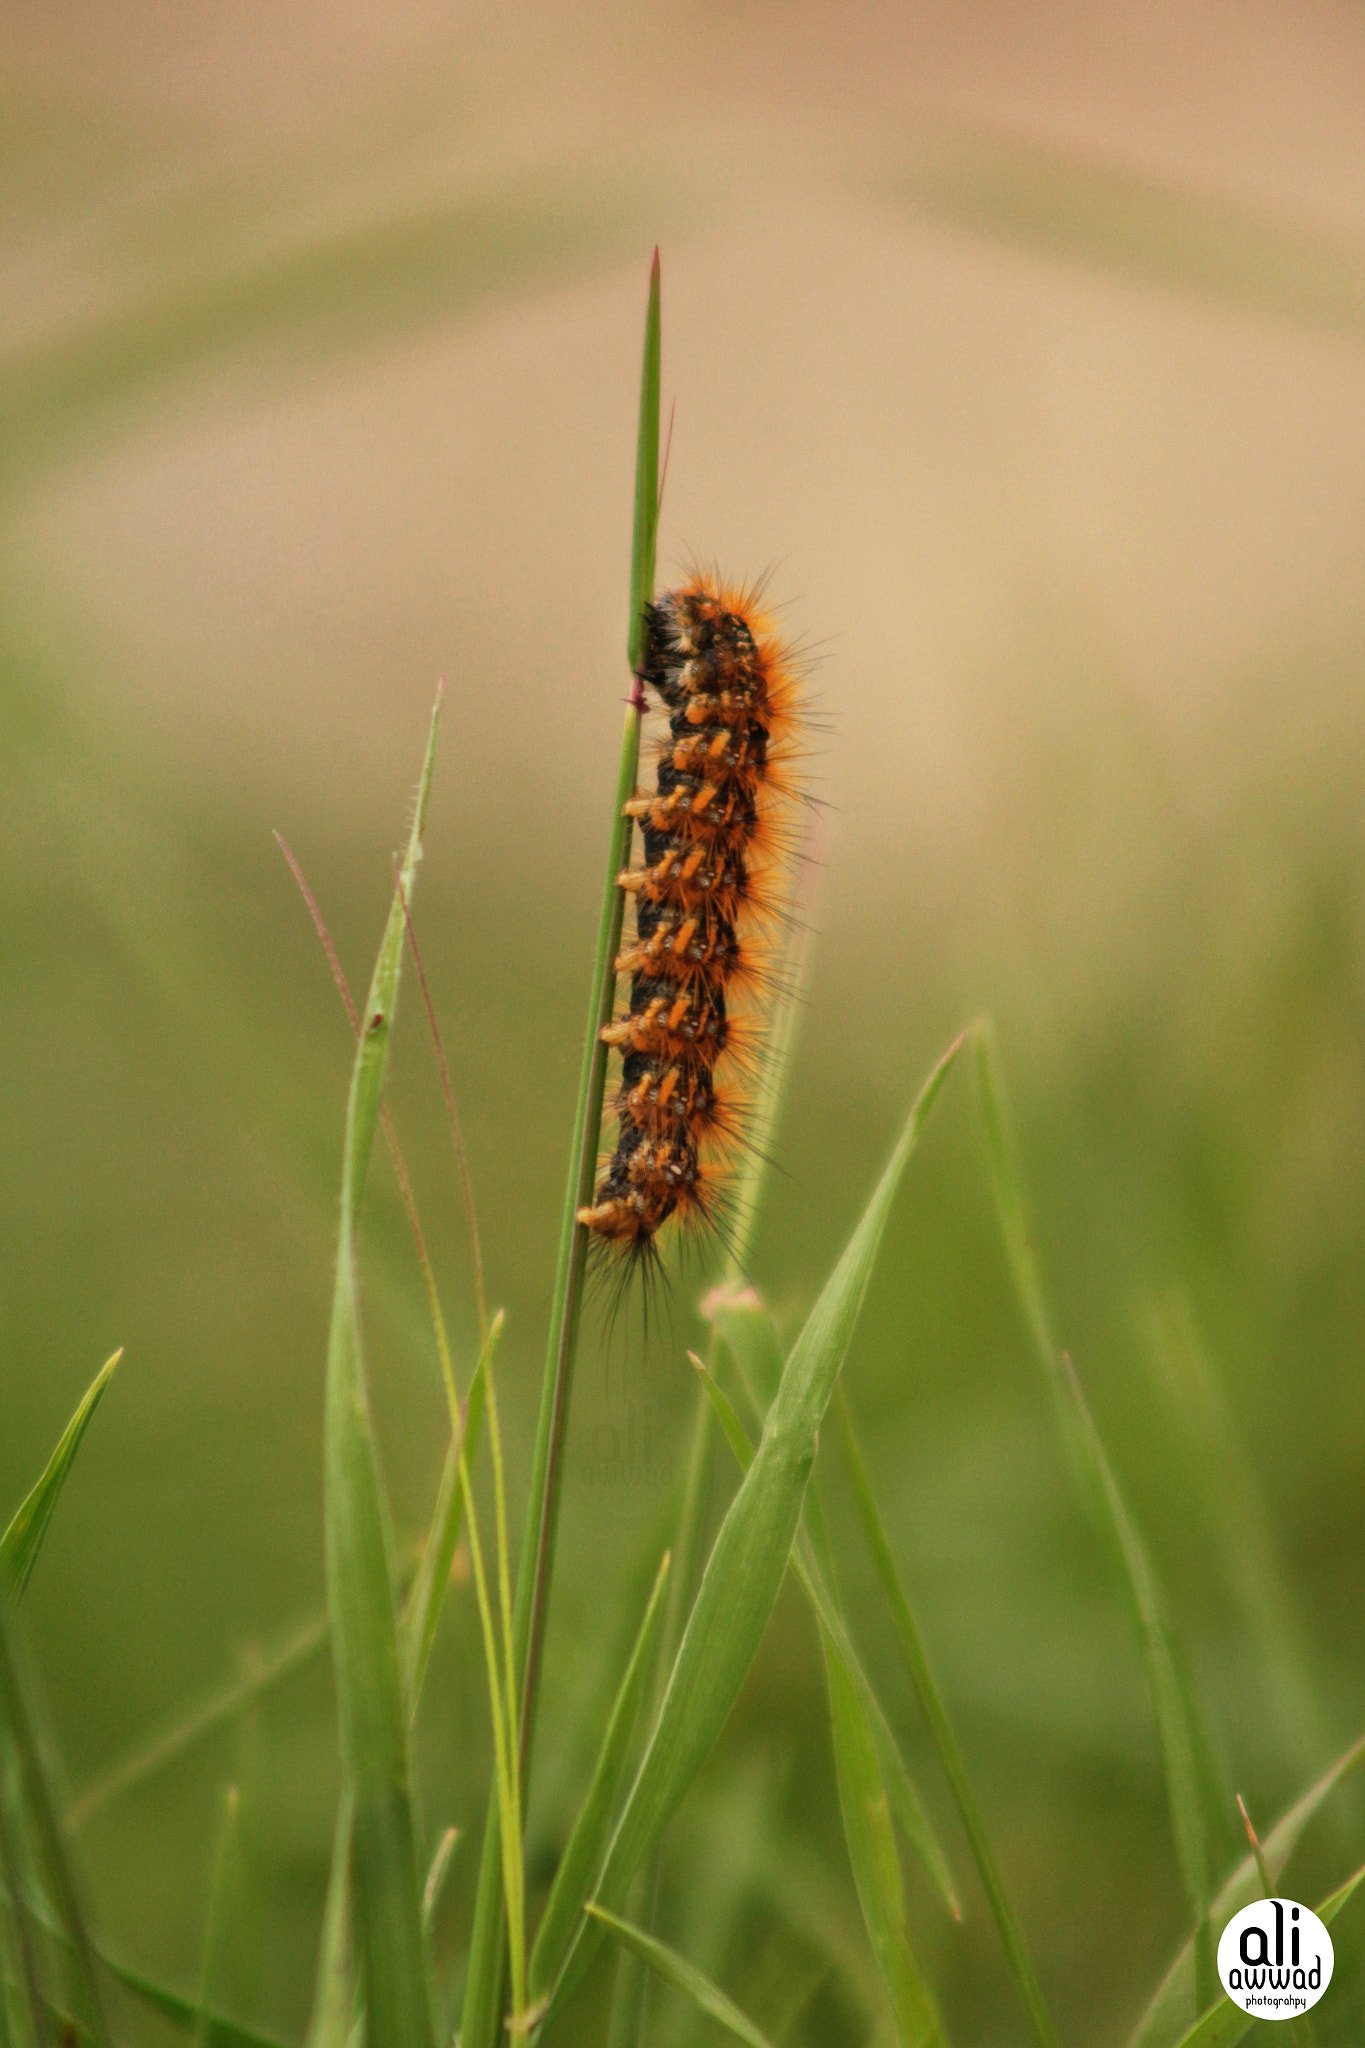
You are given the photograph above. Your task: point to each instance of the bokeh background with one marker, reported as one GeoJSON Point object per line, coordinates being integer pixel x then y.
{"type": "Point", "coordinates": [1025, 349]}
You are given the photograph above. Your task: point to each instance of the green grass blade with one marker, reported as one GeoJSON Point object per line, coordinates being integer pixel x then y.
{"type": "Point", "coordinates": [182, 2012]}
{"type": "Point", "coordinates": [215, 1933]}
{"type": "Point", "coordinates": [49, 1847]}
{"type": "Point", "coordinates": [733, 1430]}
{"type": "Point", "coordinates": [1168, 1698]}
{"type": "Point", "coordinates": [748, 1334]}
{"type": "Point", "coordinates": [1112, 220]}
{"type": "Point", "coordinates": [329, 2024]}
{"type": "Point", "coordinates": [1225, 2023]}
{"type": "Point", "coordinates": [291, 1653]}
{"type": "Point", "coordinates": [27, 1981]}
{"type": "Point", "coordinates": [480, 2024]}
{"type": "Point", "coordinates": [1238, 1525]}
{"type": "Point", "coordinates": [744, 1574]}
{"type": "Point", "coordinates": [422, 1612]}
{"type": "Point", "coordinates": [897, 1786]}
{"type": "Point", "coordinates": [945, 1741]}
{"type": "Point", "coordinates": [436, 1876]}
{"type": "Point", "coordinates": [342, 288]}
{"type": "Point", "coordinates": [583, 1850]}
{"type": "Point", "coordinates": [685, 1977]}
{"type": "Point", "coordinates": [1162, 2023]}
{"type": "Point", "coordinates": [21, 1542]}
{"type": "Point", "coordinates": [361, 1576]}
{"type": "Point", "coordinates": [1170, 1704]}
{"type": "Point", "coordinates": [645, 529]}
{"type": "Point", "coordinates": [873, 1855]}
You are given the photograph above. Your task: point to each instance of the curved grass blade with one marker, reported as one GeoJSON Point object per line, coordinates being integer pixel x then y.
{"type": "Point", "coordinates": [271, 1668]}
{"type": "Point", "coordinates": [329, 2023]}
{"type": "Point", "coordinates": [744, 1574]}
{"type": "Point", "coordinates": [583, 1850]}
{"type": "Point", "coordinates": [184, 2013]}
{"type": "Point", "coordinates": [215, 1935]}
{"type": "Point", "coordinates": [1168, 1696]}
{"type": "Point", "coordinates": [181, 2012]}
{"type": "Point", "coordinates": [1111, 219]}
{"type": "Point", "coordinates": [1225, 2023]}
{"type": "Point", "coordinates": [21, 1542]}
{"type": "Point", "coordinates": [48, 1845]}
{"type": "Point", "coordinates": [872, 1852]}
{"type": "Point", "coordinates": [361, 1575]}
{"type": "Point", "coordinates": [1239, 1524]}
{"type": "Point", "coordinates": [1171, 1705]}
{"type": "Point", "coordinates": [684, 1977]}
{"type": "Point", "coordinates": [483, 1981]}
{"type": "Point", "coordinates": [945, 1741]}
{"type": "Point", "coordinates": [1161, 2024]}
{"type": "Point", "coordinates": [422, 1613]}
{"type": "Point", "coordinates": [896, 1785]}
{"type": "Point", "coordinates": [749, 1336]}
{"type": "Point", "coordinates": [437, 1875]}
{"type": "Point", "coordinates": [342, 289]}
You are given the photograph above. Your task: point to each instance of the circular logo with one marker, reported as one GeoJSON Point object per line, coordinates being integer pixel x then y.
{"type": "Point", "coordinates": [1275, 1959]}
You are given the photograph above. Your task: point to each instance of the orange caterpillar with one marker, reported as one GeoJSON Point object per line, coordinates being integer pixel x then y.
{"type": "Point", "coordinates": [717, 835]}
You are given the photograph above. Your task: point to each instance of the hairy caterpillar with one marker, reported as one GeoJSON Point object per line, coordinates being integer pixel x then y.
{"type": "Point", "coordinates": [717, 835]}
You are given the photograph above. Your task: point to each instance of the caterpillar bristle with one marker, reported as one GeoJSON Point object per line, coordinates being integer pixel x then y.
{"type": "Point", "coordinates": [709, 895]}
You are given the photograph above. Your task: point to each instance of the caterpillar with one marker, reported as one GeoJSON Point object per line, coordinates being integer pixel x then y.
{"type": "Point", "coordinates": [717, 833]}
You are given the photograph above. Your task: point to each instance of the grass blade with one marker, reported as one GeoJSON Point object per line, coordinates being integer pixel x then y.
{"type": "Point", "coordinates": [1161, 2024]}
{"type": "Point", "coordinates": [422, 1613]}
{"type": "Point", "coordinates": [583, 1851]}
{"type": "Point", "coordinates": [745, 1571]}
{"type": "Point", "coordinates": [950, 1756]}
{"type": "Point", "coordinates": [21, 1542]}
{"type": "Point", "coordinates": [898, 1787]}
{"type": "Point", "coordinates": [214, 1710]}
{"type": "Point", "coordinates": [329, 2024]}
{"type": "Point", "coordinates": [182, 2012]}
{"type": "Point", "coordinates": [1238, 1525]}
{"type": "Point", "coordinates": [1113, 220]}
{"type": "Point", "coordinates": [47, 1839]}
{"type": "Point", "coordinates": [483, 1982]}
{"type": "Point", "coordinates": [1225, 2023]}
{"type": "Point", "coordinates": [872, 1852]}
{"type": "Point", "coordinates": [359, 1554]}
{"type": "Point", "coordinates": [748, 1333]}
{"type": "Point", "coordinates": [1168, 1698]}
{"type": "Point", "coordinates": [337, 290]}
{"type": "Point", "coordinates": [220, 1892]}
{"type": "Point", "coordinates": [684, 1977]}
{"type": "Point", "coordinates": [437, 1875]}
{"type": "Point", "coordinates": [1170, 1703]}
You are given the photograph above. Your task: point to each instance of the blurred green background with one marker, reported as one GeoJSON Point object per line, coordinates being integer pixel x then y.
{"type": "Point", "coordinates": [1026, 349]}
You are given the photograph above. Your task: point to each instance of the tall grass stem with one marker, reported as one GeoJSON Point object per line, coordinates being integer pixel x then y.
{"type": "Point", "coordinates": [484, 1981]}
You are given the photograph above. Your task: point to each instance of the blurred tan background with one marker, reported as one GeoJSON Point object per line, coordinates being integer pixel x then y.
{"type": "Point", "coordinates": [1025, 350]}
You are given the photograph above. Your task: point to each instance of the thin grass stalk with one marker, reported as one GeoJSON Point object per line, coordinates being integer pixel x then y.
{"type": "Point", "coordinates": [483, 1984]}
{"type": "Point", "coordinates": [47, 1831]}
{"type": "Point", "coordinates": [453, 1123]}
{"type": "Point", "coordinates": [29, 1982]}
{"type": "Point", "coordinates": [361, 1570]}
{"type": "Point", "coordinates": [215, 1930]}
{"type": "Point", "coordinates": [950, 1756]}
{"type": "Point", "coordinates": [1172, 1707]}
{"type": "Point", "coordinates": [160, 1750]}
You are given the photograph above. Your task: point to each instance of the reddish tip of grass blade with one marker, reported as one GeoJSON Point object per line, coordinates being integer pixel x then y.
{"type": "Point", "coordinates": [320, 927]}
